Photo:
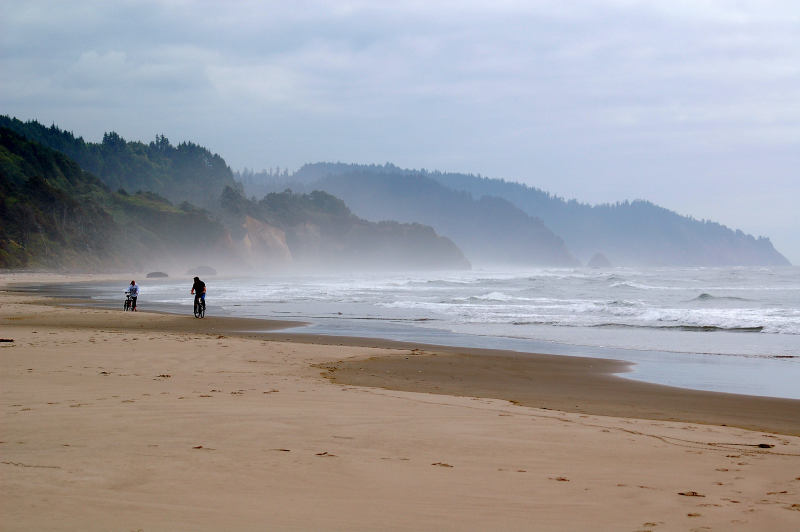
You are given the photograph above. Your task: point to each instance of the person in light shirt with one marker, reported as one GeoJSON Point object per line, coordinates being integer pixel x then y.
{"type": "Point", "coordinates": [133, 290]}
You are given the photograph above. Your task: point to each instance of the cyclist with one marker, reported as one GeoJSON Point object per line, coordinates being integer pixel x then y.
{"type": "Point", "coordinates": [199, 291]}
{"type": "Point", "coordinates": [133, 291]}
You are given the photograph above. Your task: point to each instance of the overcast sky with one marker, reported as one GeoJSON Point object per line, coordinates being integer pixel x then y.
{"type": "Point", "coordinates": [694, 105]}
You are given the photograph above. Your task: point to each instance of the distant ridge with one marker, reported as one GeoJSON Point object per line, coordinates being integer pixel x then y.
{"type": "Point", "coordinates": [633, 233]}
{"type": "Point", "coordinates": [491, 220]}
{"type": "Point", "coordinates": [629, 233]}
{"type": "Point", "coordinates": [490, 231]}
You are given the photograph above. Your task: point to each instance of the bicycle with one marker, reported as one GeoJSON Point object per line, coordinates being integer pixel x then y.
{"type": "Point", "coordinates": [128, 302]}
{"type": "Point", "coordinates": [199, 308]}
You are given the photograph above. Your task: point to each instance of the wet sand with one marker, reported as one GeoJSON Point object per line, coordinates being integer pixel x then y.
{"type": "Point", "coordinates": [123, 421]}
{"type": "Point", "coordinates": [568, 384]}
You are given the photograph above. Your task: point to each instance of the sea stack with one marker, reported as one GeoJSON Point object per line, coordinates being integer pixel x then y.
{"type": "Point", "coordinates": [599, 261]}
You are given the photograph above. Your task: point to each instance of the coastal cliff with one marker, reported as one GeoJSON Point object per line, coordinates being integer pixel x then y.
{"type": "Point", "coordinates": [265, 245]}
{"type": "Point", "coordinates": [319, 231]}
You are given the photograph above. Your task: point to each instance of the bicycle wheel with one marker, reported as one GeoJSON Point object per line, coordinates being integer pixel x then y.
{"type": "Point", "coordinates": [202, 310]}
{"type": "Point", "coordinates": [197, 310]}
{"type": "Point", "coordinates": [127, 305]}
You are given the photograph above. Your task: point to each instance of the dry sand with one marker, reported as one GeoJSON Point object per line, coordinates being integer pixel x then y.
{"type": "Point", "coordinates": [123, 421]}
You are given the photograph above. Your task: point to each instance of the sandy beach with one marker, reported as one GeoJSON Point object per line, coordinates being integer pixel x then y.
{"type": "Point", "coordinates": [147, 421]}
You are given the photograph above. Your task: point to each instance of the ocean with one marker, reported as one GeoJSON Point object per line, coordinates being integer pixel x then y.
{"type": "Point", "coordinates": [723, 329]}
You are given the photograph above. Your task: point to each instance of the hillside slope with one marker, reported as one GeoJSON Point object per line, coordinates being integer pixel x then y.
{"type": "Point", "coordinates": [491, 231]}
{"type": "Point", "coordinates": [628, 233]}
{"type": "Point", "coordinates": [55, 215]}
{"type": "Point", "coordinates": [186, 172]}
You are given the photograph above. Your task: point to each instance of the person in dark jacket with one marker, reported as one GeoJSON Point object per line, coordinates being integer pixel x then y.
{"type": "Point", "coordinates": [199, 291]}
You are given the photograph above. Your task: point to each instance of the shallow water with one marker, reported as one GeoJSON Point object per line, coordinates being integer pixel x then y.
{"type": "Point", "coordinates": [722, 329]}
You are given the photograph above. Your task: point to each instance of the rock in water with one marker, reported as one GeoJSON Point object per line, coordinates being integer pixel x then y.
{"type": "Point", "coordinates": [202, 270]}
{"type": "Point", "coordinates": [156, 274]}
{"type": "Point", "coordinates": [599, 261]}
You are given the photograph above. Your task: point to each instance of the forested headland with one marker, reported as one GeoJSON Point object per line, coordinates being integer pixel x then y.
{"type": "Point", "coordinates": [628, 233]}
{"type": "Point", "coordinates": [116, 204]}
{"type": "Point", "coordinates": [186, 172]}
{"type": "Point", "coordinates": [55, 213]}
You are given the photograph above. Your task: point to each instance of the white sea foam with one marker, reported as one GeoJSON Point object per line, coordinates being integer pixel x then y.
{"type": "Point", "coordinates": [685, 309]}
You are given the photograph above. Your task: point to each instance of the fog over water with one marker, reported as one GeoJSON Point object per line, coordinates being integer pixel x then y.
{"type": "Point", "coordinates": [725, 329]}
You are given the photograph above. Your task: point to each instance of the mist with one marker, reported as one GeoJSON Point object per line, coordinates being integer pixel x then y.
{"type": "Point", "coordinates": [690, 106]}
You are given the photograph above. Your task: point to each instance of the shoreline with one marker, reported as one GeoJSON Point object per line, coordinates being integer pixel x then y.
{"type": "Point", "coordinates": [564, 383]}
{"type": "Point", "coordinates": [146, 421]}
{"type": "Point", "coordinates": [764, 374]}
